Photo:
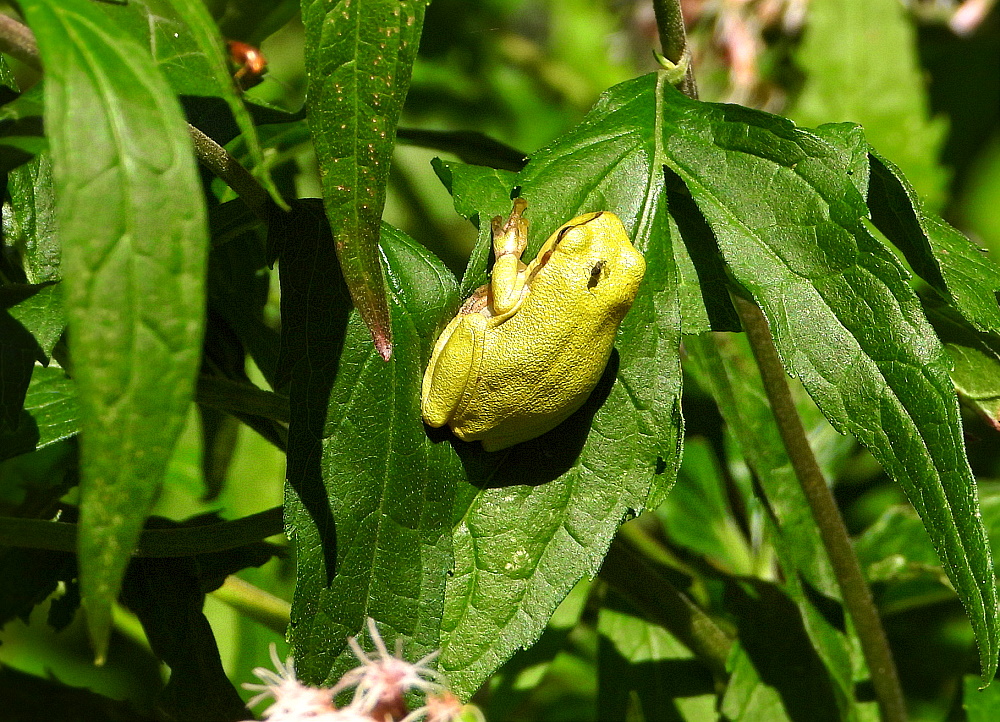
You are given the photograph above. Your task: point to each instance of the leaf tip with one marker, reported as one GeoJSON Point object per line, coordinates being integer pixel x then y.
{"type": "Point", "coordinates": [99, 631]}
{"type": "Point", "coordinates": [383, 343]}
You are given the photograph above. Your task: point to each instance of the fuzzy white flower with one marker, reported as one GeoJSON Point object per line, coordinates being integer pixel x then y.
{"type": "Point", "coordinates": [383, 679]}
{"type": "Point", "coordinates": [293, 700]}
{"type": "Point", "coordinates": [445, 707]}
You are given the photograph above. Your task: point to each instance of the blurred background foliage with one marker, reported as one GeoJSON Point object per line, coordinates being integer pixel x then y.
{"type": "Point", "coordinates": [925, 83]}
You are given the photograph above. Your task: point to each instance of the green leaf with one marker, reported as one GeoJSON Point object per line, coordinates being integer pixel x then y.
{"type": "Point", "coordinates": [696, 514]}
{"type": "Point", "coordinates": [512, 688]}
{"type": "Point", "coordinates": [555, 520]}
{"type": "Point", "coordinates": [957, 269]}
{"type": "Point", "coordinates": [130, 213]}
{"type": "Point", "coordinates": [370, 499]}
{"type": "Point", "coordinates": [702, 285]}
{"type": "Point", "coordinates": [860, 63]}
{"type": "Point", "coordinates": [358, 57]}
{"type": "Point", "coordinates": [614, 161]}
{"type": "Point", "coordinates": [21, 133]}
{"type": "Point", "coordinates": [479, 195]}
{"type": "Point", "coordinates": [789, 224]}
{"type": "Point", "coordinates": [32, 317]}
{"type": "Point", "coordinates": [31, 322]}
{"type": "Point", "coordinates": [381, 511]}
{"type": "Point", "coordinates": [975, 359]}
{"type": "Point", "coordinates": [777, 673]}
{"type": "Point", "coordinates": [895, 545]}
{"type": "Point", "coordinates": [50, 414]}
{"type": "Point", "coordinates": [29, 223]}
{"type": "Point", "coordinates": [976, 373]}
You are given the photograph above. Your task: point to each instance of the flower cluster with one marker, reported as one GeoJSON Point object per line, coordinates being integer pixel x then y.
{"type": "Point", "coordinates": [380, 684]}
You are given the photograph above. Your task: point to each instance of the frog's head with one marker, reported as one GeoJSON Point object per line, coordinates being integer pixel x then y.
{"type": "Point", "coordinates": [592, 256]}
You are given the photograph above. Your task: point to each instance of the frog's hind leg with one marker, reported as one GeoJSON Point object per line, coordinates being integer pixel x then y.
{"type": "Point", "coordinates": [451, 375]}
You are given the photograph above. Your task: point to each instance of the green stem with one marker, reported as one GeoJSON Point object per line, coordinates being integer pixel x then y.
{"type": "Point", "coordinates": [217, 159]}
{"type": "Point", "coordinates": [175, 542]}
{"type": "Point", "coordinates": [673, 40]}
{"type": "Point", "coordinates": [857, 596]}
{"type": "Point", "coordinates": [254, 603]}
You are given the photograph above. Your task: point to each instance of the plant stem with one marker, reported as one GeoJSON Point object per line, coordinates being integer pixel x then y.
{"type": "Point", "coordinates": [254, 603]}
{"type": "Point", "coordinates": [17, 40]}
{"type": "Point", "coordinates": [673, 40]}
{"type": "Point", "coordinates": [857, 596]}
{"type": "Point", "coordinates": [222, 165]}
{"type": "Point", "coordinates": [157, 543]}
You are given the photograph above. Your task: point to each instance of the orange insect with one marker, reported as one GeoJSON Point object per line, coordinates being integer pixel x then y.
{"type": "Point", "coordinates": [249, 61]}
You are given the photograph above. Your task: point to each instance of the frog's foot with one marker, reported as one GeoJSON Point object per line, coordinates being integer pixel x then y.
{"type": "Point", "coordinates": [509, 241]}
{"type": "Point", "coordinates": [511, 236]}
{"type": "Point", "coordinates": [675, 71]}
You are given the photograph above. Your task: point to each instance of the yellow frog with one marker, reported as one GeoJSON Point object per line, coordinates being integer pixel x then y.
{"type": "Point", "coordinates": [526, 350]}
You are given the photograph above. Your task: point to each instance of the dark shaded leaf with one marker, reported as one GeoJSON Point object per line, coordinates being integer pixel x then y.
{"type": "Point", "coordinates": [50, 413]}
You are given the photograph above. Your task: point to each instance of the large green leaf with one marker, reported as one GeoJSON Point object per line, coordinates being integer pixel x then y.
{"type": "Point", "coordinates": [789, 223]}
{"type": "Point", "coordinates": [359, 56]}
{"type": "Point", "coordinates": [377, 505]}
{"type": "Point", "coordinates": [134, 240]}
{"type": "Point", "coordinates": [370, 498]}
{"type": "Point", "coordinates": [520, 546]}
{"type": "Point", "coordinates": [522, 526]}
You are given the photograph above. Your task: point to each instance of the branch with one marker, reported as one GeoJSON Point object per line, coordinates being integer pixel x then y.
{"type": "Point", "coordinates": [857, 596]}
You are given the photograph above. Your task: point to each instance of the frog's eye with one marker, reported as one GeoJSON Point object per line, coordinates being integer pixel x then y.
{"type": "Point", "coordinates": [595, 273]}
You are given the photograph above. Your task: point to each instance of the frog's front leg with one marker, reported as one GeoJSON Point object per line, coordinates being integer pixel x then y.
{"type": "Point", "coordinates": [453, 369]}
{"type": "Point", "coordinates": [509, 241]}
